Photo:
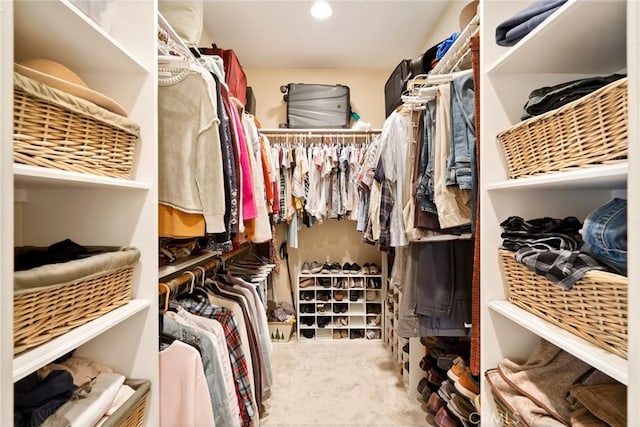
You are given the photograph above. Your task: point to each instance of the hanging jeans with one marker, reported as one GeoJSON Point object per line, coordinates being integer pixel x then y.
{"type": "Point", "coordinates": [463, 133]}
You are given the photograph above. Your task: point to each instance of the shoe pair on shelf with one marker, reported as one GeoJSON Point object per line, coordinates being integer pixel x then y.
{"type": "Point", "coordinates": [307, 320]}
{"type": "Point", "coordinates": [374, 320]}
{"type": "Point", "coordinates": [373, 335]}
{"type": "Point", "coordinates": [370, 268]}
{"type": "Point", "coordinates": [340, 308]}
{"type": "Point", "coordinates": [307, 296]}
{"type": "Point", "coordinates": [373, 309]}
{"type": "Point", "coordinates": [338, 295]}
{"type": "Point", "coordinates": [331, 268]}
{"type": "Point", "coordinates": [354, 296]}
{"type": "Point", "coordinates": [312, 267]}
{"type": "Point", "coordinates": [374, 283]}
{"type": "Point", "coordinates": [340, 333]}
{"type": "Point", "coordinates": [358, 282]}
{"type": "Point", "coordinates": [306, 308]}
{"type": "Point", "coordinates": [324, 296]}
{"type": "Point", "coordinates": [323, 321]}
{"type": "Point", "coordinates": [357, 334]}
{"type": "Point", "coordinates": [325, 282]}
{"type": "Point", "coordinates": [323, 308]}
{"type": "Point", "coordinates": [306, 282]}
{"type": "Point", "coordinates": [372, 296]}
{"type": "Point", "coordinates": [341, 321]}
{"type": "Point", "coordinates": [351, 268]}
{"type": "Point", "coordinates": [308, 333]}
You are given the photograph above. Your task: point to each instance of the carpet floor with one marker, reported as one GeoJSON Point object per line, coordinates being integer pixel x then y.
{"type": "Point", "coordinates": [332, 383]}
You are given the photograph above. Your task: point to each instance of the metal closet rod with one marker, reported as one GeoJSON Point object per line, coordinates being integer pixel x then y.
{"type": "Point", "coordinates": [321, 131]}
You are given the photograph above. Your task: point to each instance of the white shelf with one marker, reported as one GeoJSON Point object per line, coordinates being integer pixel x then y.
{"type": "Point", "coordinates": [31, 360]}
{"type": "Point", "coordinates": [45, 26]}
{"type": "Point", "coordinates": [612, 365]}
{"type": "Point", "coordinates": [596, 45]}
{"type": "Point", "coordinates": [26, 176]}
{"type": "Point", "coordinates": [587, 178]}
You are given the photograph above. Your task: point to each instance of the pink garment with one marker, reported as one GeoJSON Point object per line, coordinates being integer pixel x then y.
{"type": "Point", "coordinates": [249, 209]}
{"type": "Point", "coordinates": [184, 394]}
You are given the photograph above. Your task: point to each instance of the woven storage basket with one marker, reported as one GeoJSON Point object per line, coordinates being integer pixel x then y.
{"type": "Point", "coordinates": [594, 309]}
{"type": "Point", "coordinates": [52, 136]}
{"type": "Point", "coordinates": [586, 132]}
{"type": "Point", "coordinates": [47, 312]}
{"type": "Point", "coordinates": [131, 413]}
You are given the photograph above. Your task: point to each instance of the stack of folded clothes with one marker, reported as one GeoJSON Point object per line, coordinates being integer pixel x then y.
{"type": "Point", "coordinates": [71, 391]}
{"type": "Point", "coordinates": [549, 247]}
{"type": "Point", "coordinates": [515, 28]}
{"type": "Point", "coordinates": [553, 388]}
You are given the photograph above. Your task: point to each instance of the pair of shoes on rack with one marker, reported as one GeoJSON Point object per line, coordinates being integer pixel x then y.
{"type": "Point", "coordinates": [338, 295]}
{"type": "Point", "coordinates": [373, 334]}
{"type": "Point", "coordinates": [325, 282]}
{"type": "Point", "coordinates": [306, 308]}
{"type": "Point", "coordinates": [308, 333]}
{"type": "Point", "coordinates": [340, 308]}
{"type": "Point", "coordinates": [307, 296]}
{"type": "Point", "coordinates": [357, 334]}
{"type": "Point", "coordinates": [340, 333]}
{"type": "Point", "coordinates": [323, 308]}
{"type": "Point", "coordinates": [358, 282]}
{"type": "Point", "coordinates": [354, 296]}
{"type": "Point", "coordinates": [324, 296]}
{"type": "Point", "coordinates": [374, 320]}
{"type": "Point", "coordinates": [323, 321]}
{"type": "Point", "coordinates": [352, 268]}
{"type": "Point", "coordinates": [312, 267]}
{"type": "Point", "coordinates": [306, 282]}
{"type": "Point", "coordinates": [341, 321]}
{"type": "Point", "coordinates": [340, 283]}
{"type": "Point", "coordinates": [333, 268]}
{"type": "Point", "coordinates": [468, 385]}
{"type": "Point", "coordinates": [374, 308]}
{"type": "Point", "coordinates": [307, 320]}
{"type": "Point", "coordinates": [372, 296]}
{"type": "Point", "coordinates": [370, 268]}
{"type": "Point", "coordinates": [374, 283]}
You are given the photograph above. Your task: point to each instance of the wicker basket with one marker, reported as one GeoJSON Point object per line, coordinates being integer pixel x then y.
{"type": "Point", "coordinates": [131, 413]}
{"type": "Point", "coordinates": [594, 309]}
{"type": "Point", "coordinates": [47, 312]}
{"type": "Point", "coordinates": [589, 131]}
{"type": "Point", "coordinates": [49, 135]}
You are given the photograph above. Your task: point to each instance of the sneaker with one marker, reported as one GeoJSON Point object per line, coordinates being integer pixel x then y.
{"type": "Point", "coordinates": [374, 269]}
{"type": "Point", "coordinates": [446, 390]}
{"type": "Point", "coordinates": [335, 268]}
{"type": "Point", "coordinates": [305, 283]}
{"type": "Point", "coordinates": [315, 267]}
{"type": "Point", "coordinates": [326, 268]}
{"type": "Point", "coordinates": [355, 269]}
{"type": "Point", "coordinates": [365, 268]}
{"type": "Point", "coordinates": [467, 385]}
{"type": "Point", "coordinates": [346, 268]}
{"type": "Point", "coordinates": [306, 268]}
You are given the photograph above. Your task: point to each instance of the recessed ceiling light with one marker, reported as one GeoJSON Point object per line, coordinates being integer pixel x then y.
{"type": "Point", "coordinates": [321, 10]}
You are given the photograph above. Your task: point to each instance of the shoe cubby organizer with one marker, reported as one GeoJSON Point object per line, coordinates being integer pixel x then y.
{"type": "Point", "coordinates": [339, 306]}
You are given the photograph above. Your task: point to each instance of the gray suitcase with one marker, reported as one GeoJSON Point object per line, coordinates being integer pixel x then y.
{"type": "Point", "coordinates": [316, 106]}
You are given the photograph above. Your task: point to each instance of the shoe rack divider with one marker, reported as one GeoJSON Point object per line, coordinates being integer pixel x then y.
{"type": "Point", "coordinates": [317, 302]}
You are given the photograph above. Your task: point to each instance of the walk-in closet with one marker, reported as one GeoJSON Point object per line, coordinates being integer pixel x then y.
{"type": "Point", "coordinates": [319, 213]}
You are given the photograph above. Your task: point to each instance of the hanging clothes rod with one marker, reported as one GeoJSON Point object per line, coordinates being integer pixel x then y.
{"type": "Point", "coordinates": [195, 272]}
{"type": "Point", "coordinates": [319, 132]}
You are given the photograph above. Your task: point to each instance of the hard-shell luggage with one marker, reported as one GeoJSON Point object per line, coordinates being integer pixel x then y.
{"type": "Point", "coordinates": [395, 85]}
{"type": "Point", "coordinates": [317, 106]}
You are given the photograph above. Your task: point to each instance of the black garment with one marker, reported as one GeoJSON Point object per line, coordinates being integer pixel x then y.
{"type": "Point", "coordinates": [444, 274]}
{"type": "Point", "coordinates": [541, 233]}
{"type": "Point", "coordinates": [28, 257]}
{"type": "Point", "coordinates": [551, 97]}
{"type": "Point", "coordinates": [36, 399]}
{"type": "Point", "coordinates": [222, 241]}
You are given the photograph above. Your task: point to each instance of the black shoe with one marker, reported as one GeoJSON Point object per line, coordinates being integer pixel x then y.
{"type": "Point", "coordinates": [353, 296]}
{"type": "Point", "coordinates": [346, 268]}
{"type": "Point", "coordinates": [308, 333]}
{"type": "Point", "coordinates": [326, 268]}
{"type": "Point", "coordinates": [355, 269]}
{"type": "Point", "coordinates": [335, 268]}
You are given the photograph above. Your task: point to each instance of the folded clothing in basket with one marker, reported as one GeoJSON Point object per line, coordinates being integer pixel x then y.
{"type": "Point", "coordinates": [549, 98]}
{"type": "Point", "coordinates": [106, 259]}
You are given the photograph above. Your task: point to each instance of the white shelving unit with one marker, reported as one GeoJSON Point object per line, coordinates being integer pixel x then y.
{"type": "Point", "coordinates": [356, 311]}
{"type": "Point", "coordinates": [41, 206]}
{"type": "Point", "coordinates": [581, 39]}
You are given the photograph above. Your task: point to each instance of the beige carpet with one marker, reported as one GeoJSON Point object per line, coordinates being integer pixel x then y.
{"type": "Point", "coordinates": [334, 383]}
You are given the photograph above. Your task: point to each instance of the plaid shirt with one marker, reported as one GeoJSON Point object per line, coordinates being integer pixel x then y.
{"type": "Point", "coordinates": [386, 206]}
{"type": "Point", "coordinates": [560, 266]}
{"type": "Point", "coordinates": [238, 363]}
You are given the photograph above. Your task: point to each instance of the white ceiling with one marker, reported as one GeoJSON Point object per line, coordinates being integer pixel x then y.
{"type": "Point", "coordinates": [360, 34]}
